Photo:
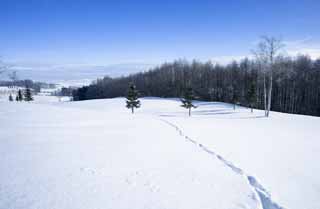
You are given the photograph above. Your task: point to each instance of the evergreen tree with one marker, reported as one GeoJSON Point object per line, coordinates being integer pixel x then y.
{"type": "Point", "coordinates": [132, 98]}
{"type": "Point", "coordinates": [10, 98]}
{"type": "Point", "coordinates": [252, 95]}
{"type": "Point", "coordinates": [187, 99]}
{"type": "Point", "coordinates": [27, 95]}
{"type": "Point", "coordinates": [19, 96]}
{"type": "Point", "coordinates": [235, 99]}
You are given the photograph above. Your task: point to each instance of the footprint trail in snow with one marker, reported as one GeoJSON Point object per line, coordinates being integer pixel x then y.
{"type": "Point", "coordinates": [262, 193]}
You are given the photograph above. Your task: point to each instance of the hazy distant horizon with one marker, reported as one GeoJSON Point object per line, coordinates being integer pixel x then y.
{"type": "Point", "coordinates": [112, 32]}
{"type": "Point", "coordinates": [73, 74]}
{"type": "Point", "coordinates": [89, 39]}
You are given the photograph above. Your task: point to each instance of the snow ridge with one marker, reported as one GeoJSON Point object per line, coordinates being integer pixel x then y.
{"type": "Point", "coordinates": [263, 195]}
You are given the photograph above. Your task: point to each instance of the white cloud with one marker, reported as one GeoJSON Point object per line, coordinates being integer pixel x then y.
{"type": "Point", "coordinates": [228, 59]}
{"type": "Point", "coordinates": [305, 46]}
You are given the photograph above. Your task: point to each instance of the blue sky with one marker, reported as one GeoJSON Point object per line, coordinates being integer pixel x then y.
{"type": "Point", "coordinates": [42, 32]}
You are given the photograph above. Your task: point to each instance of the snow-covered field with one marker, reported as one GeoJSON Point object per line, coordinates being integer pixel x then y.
{"type": "Point", "coordinates": [95, 154]}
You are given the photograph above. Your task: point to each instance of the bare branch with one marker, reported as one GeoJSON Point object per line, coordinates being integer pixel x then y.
{"type": "Point", "coordinates": [13, 76]}
{"type": "Point", "coordinates": [268, 49]}
{"type": "Point", "coordinates": [3, 67]}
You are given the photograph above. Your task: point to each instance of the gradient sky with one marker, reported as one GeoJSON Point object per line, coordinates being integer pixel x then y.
{"type": "Point", "coordinates": [144, 31]}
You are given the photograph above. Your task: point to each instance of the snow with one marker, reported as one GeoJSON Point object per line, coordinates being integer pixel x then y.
{"type": "Point", "coordinates": [95, 154]}
{"type": "Point", "coordinates": [280, 151]}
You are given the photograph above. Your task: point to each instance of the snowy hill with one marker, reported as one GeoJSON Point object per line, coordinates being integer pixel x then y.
{"type": "Point", "coordinates": [95, 154]}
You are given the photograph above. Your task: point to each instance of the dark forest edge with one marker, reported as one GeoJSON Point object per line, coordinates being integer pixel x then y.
{"type": "Point", "coordinates": [296, 83]}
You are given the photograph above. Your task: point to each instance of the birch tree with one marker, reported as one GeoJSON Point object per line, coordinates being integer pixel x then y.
{"type": "Point", "coordinates": [13, 76]}
{"type": "Point", "coordinates": [267, 50]}
{"type": "Point", "coordinates": [2, 67]}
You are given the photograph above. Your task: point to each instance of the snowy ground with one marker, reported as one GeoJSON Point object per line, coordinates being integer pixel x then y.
{"type": "Point", "coordinates": [95, 154]}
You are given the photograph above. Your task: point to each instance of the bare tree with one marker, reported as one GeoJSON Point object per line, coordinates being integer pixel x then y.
{"type": "Point", "coordinates": [267, 50]}
{"type": "Point", "coordinates": [13, 76]}
{"type": "Point", "coordinates": [3, 67]}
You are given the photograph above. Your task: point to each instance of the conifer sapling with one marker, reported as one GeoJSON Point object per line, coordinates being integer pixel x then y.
{"type": "Point", "coordinates": [252, 95]}
{"type": "Point", "coordinates": [187, 100]}
{"type": "Point", "coordinates": [132, 98]}
{"type": "Point", "coordinates": [28, 95]}
{"type": "Point", "coordinates": [19, 96]}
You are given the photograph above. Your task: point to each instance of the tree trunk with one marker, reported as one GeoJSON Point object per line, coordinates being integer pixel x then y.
{"type": "Point", "coordinates": [269, 94]}
{"type": "Point", "coordinates": [265, 95]}
{"type": "Point", "coordinates": [189, 111]}
{"type": "Point", "coordinates": [132, 110]}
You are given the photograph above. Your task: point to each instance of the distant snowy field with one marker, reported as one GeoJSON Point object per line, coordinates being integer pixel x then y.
{"type": "Point", "coordinates": [96, 154]}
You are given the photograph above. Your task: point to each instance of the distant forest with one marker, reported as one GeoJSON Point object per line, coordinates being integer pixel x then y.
{"type": "Point", "coordinates": [296, 83]}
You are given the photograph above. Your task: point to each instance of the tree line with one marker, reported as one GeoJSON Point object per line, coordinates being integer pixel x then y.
{"type": "Point", "coordinates": [268, 81]}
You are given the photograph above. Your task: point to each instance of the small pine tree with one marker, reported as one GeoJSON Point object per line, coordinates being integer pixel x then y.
{"type": "Point", "coordinates": [10, 98]}
{"type": "Point", "coordinates": [27, 95]}
{"type": "Point", "coordinates": [251, 96]}
{"type": "Point", "coordinates": [132, 98]}
{"type": "Point", "coordinates": [187, 100]}
{"type": "Point", "coordinates": [235, 98]}
{"type": "Point", "coordinates": [19, 96]}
